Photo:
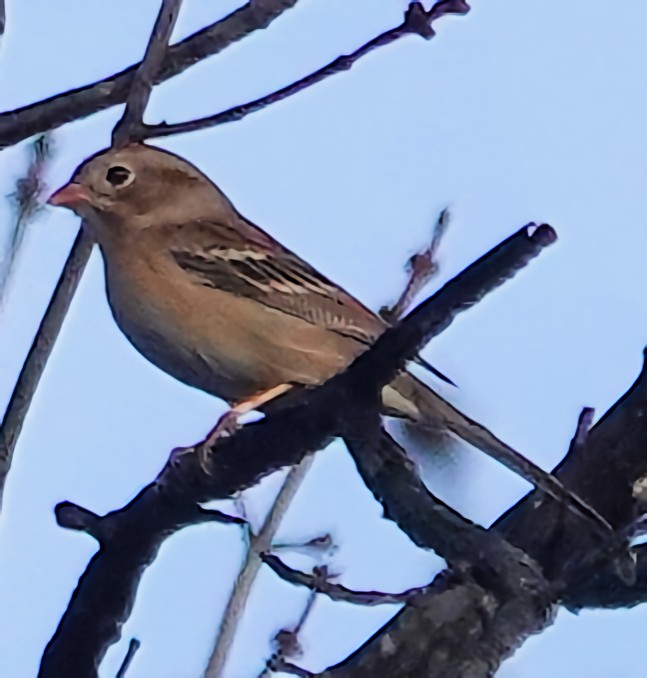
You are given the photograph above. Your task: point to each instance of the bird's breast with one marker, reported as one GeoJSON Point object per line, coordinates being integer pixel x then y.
{"type": "Point", "coordinates": [169, 320]}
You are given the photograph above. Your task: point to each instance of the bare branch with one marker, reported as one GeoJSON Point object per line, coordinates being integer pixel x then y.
{"type": "Point", "coordinates": [459, 628]}
{"type": "Point", "coordinates": [417, 21]}
{"type": "Point", "coordinates": [105, 593]}
{"type": "Point", "coordinates": [55, 111]}
{"type": "Point", "coordinates": [133, 646]}
{"type": "Point", "coordinates": [337, 592]}
{"type": "Point", "coordinates": [287, 645]}
{"type": "Point", "coordinates": [422, 268]}
{"type": "Point", "coordinates": [258, 544]}
{"type": "Point", "coordinates": [142, 86]}
{"type": "Point", "coordinates": [39, 352]}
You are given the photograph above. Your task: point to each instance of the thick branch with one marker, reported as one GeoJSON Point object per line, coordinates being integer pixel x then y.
{"type": "Point", "coordinates": [460, 629]}
{"type": "Point", "coordinates": [105, 592]}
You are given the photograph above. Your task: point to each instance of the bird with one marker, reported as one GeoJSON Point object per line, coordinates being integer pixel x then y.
{"type": "Point", "coordinates": [219, 304]}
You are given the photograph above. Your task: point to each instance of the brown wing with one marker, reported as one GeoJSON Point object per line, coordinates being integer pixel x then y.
{"type": "Point", "coordinates": [245, 261]}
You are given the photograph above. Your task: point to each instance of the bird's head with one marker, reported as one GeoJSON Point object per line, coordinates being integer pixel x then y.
{"type": "Point", "coordinates": [137, 187]}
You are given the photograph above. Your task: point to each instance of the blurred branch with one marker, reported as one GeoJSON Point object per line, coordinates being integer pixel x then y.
{"type": "Point", "coordinates": [27, 203]}
{"type": "Point", "coordinates": [133, 646]}
{"type": "Point", "coordinates": [142, 84]}
{"type": "Point", "coordinates": [106, 591]}
{"type": "Point", "coordinates": [3, 18]}
{"type": "Point", "coordinates": [41, 348]}
{"type": "Point", "coordinates": [337, 592]}
{"type": "Point", "coordinates": [258, 544]}
{"type": "Point", "coordinates": [78, 103]}
{"type": "Point", "coordinates": [417, 21]}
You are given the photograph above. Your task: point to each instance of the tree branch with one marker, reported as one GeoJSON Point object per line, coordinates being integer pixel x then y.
{"type": "Point", "coordinates": [40, 351]}
{"type": "Point", "coordinates": [417, 21]}
{"type": "Point", "coordinates": [50, 326]}
{"type": "Point", "coordinates": [20, 124]}
{"type": "Point", "coordinates": [462, 628]}
{"type": "Point", "coordinates": [133, 646]}
{"type": "Point", "coordinates": [105, 593]}
{"type": "Point", "coordinates": [257, 14]}
{"type": "Point", "coordinates": [142, 86]}
{"type": "Point", "coordinates": [258, 544]}
{"type": "Point", "coordinates": [337, 592]}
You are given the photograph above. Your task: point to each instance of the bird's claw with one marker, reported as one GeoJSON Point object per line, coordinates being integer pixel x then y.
{"type": "Point", "coordinates": [227, 425]}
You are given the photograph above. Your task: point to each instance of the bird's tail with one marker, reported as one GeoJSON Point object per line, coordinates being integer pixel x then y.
{"type": "Point", "coordinates": [408, 397]}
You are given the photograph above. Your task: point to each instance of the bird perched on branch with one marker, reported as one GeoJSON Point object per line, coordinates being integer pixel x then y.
{"type": "Point", "coordinates": [217, 303]}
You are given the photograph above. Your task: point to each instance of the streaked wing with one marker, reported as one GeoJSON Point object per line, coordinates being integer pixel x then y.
{"type": "Point", "coordinates": [245, 261]}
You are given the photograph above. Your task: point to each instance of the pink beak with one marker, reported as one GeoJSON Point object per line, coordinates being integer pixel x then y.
{"type": "Point", "coordinates": [70, 196]}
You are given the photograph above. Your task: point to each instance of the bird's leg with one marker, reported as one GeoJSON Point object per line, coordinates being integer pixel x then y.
{"type": "Point", "coordinates": [228, 422]}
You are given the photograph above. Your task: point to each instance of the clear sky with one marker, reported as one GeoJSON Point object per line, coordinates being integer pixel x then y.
{"type": "Point", "coordinates": [520, 111]}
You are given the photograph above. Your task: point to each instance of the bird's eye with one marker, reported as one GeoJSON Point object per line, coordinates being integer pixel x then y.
{"type": "Point", "coordinates": [119, 176]}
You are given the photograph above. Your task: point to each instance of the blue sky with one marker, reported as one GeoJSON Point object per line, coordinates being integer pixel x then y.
{"type": "Point", "coordinates": [520, 111]}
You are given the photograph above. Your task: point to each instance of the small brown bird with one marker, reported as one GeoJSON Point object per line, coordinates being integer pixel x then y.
{"type": "Point", "coordinates": [214, 301]}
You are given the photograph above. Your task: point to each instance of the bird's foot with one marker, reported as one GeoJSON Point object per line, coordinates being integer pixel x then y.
{"type": "Point", "coordinates": [227, 425]}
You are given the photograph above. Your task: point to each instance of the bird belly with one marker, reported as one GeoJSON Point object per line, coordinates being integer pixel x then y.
{"type": "Point", "coordinates": [230, 346]}
{"type": "Point", "coordinates": [163, 329]}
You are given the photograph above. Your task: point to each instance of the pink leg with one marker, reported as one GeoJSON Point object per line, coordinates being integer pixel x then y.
{"type": "Point", "coordinates": [228, 423]}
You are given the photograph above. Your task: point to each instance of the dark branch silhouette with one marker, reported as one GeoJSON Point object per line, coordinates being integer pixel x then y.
{"type": "Point", "coordinates": [133, 646]}
{"type": "Point", "coordinates": [342, 406]}
{"type": "Point", "coordinates": [464, 626]}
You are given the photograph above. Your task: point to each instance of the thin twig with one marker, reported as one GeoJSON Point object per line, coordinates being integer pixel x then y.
{"type": "Point", "coordinates": [133, 646]}
{"type": "Point", "coordinates": [140, 90]}
{"type": "Point", "coordinates": [287, 645]}
{"type": "Point", "coordinates": [417, 21]}
{"type": "Point", "coordinates": [78, 103]}
{"type": "Point", "coordinates": [338, 592]}
{"type": "Point", "coordinates": [41, 348]}
{"type": "Point", "coordinates": [3, 18]}
{"type": "Point", "coordinates": [423, 266]}
{"type": "Point", "coordinates": [258, 545]}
